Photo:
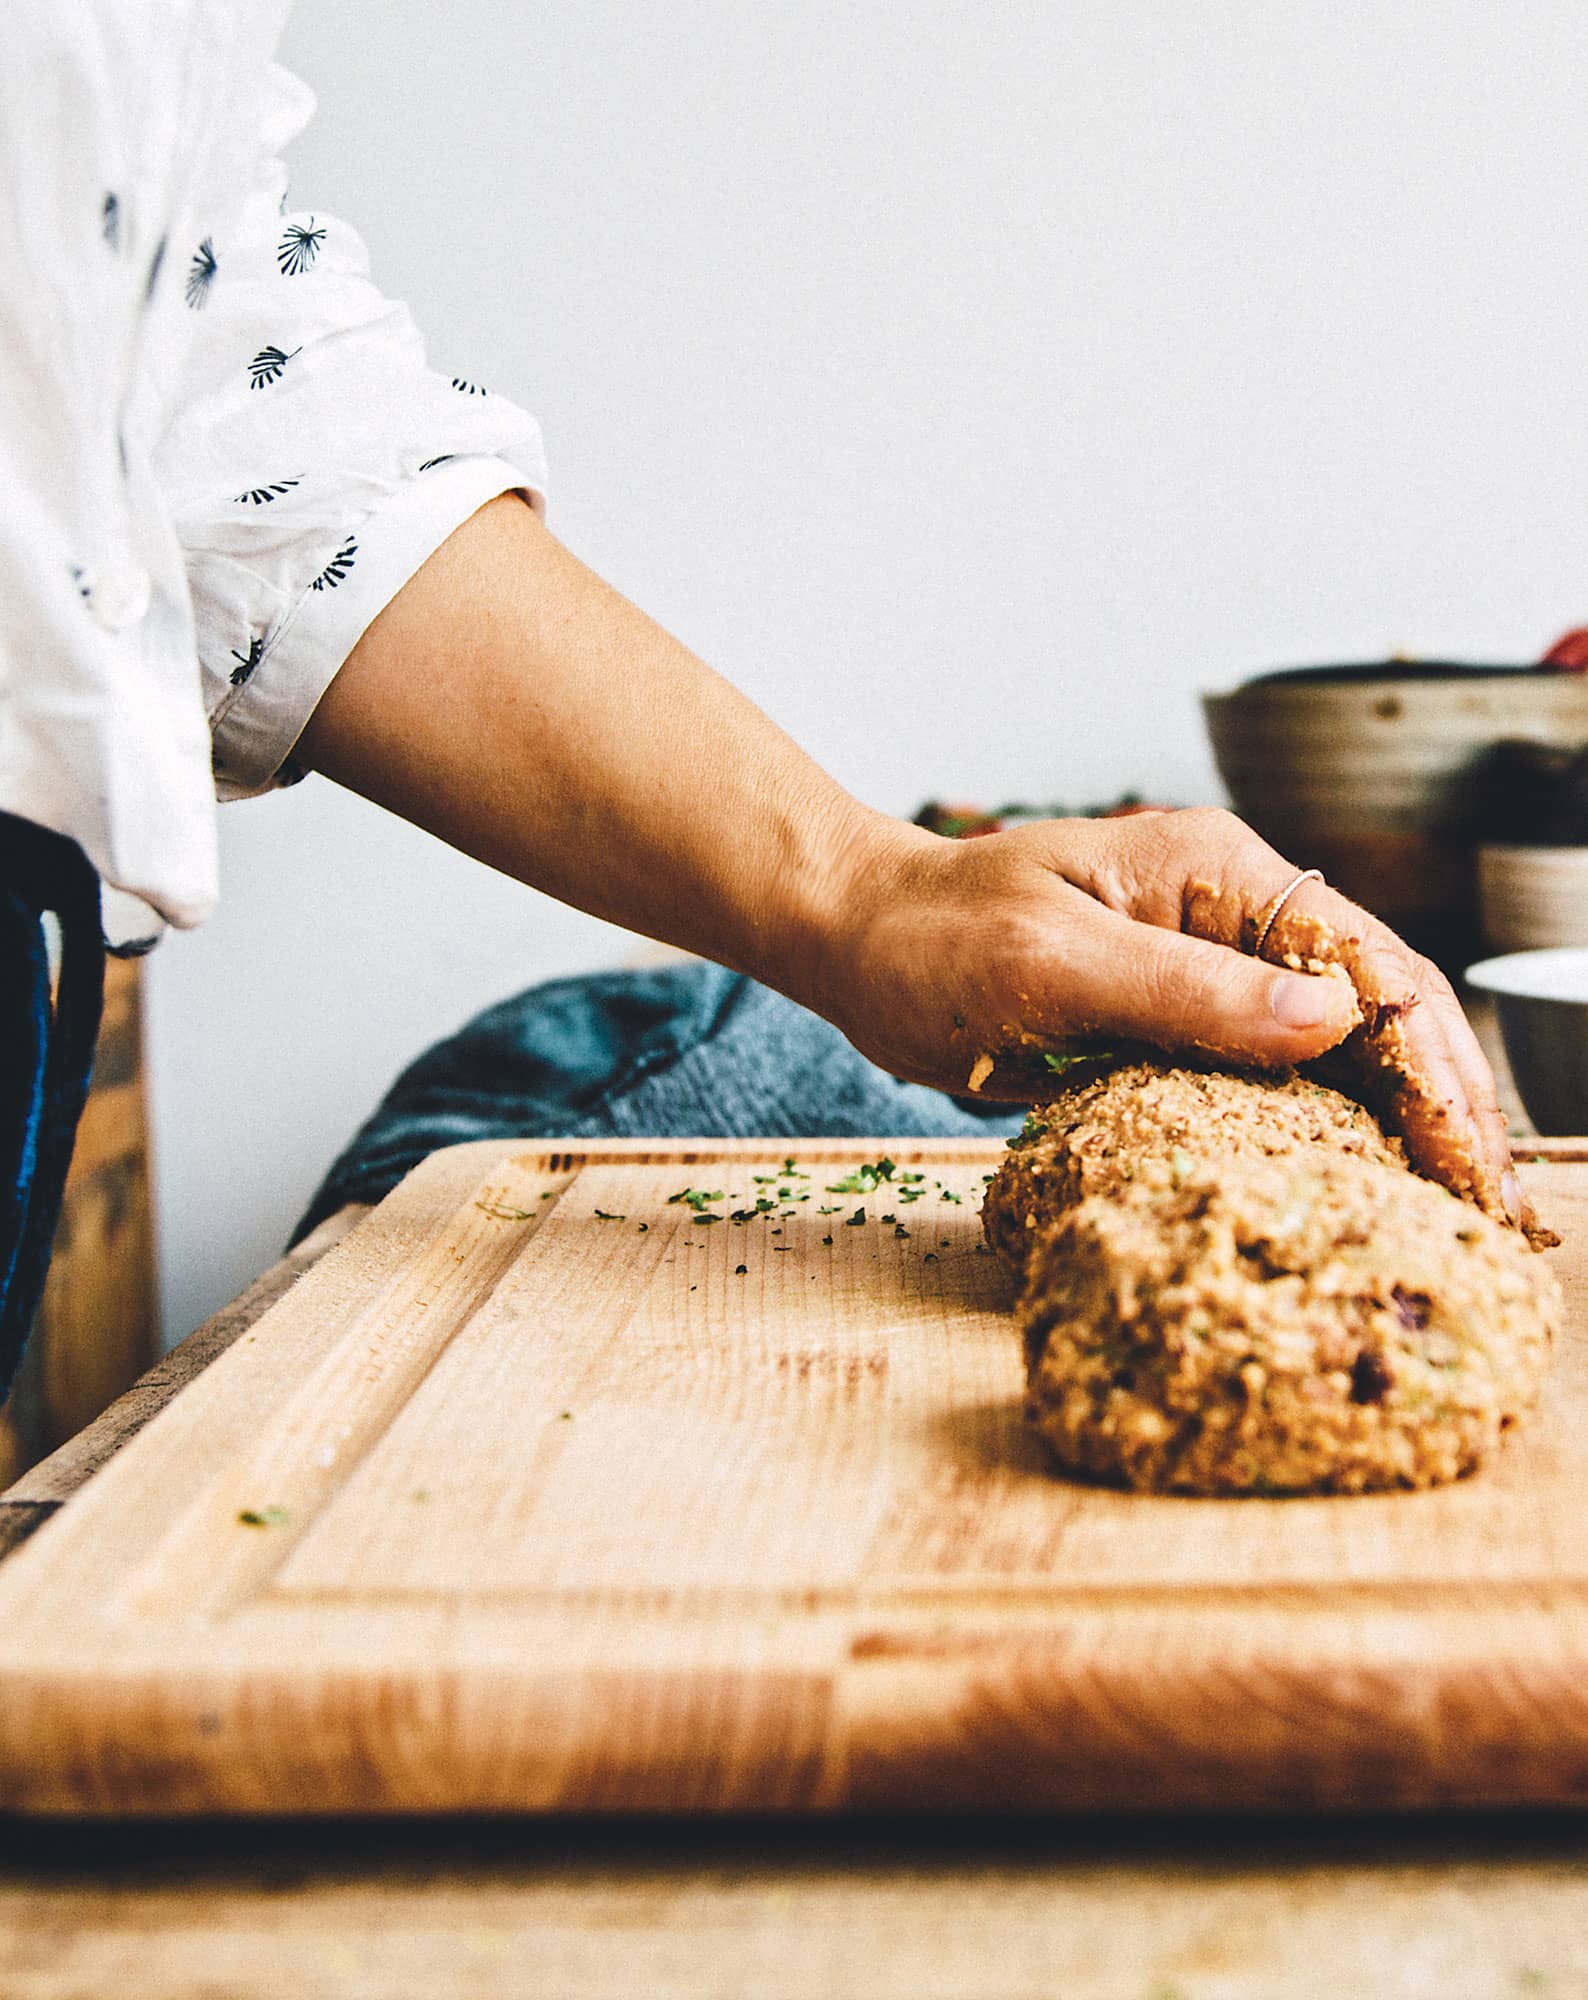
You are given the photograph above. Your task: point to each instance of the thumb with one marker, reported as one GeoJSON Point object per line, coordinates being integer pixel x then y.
{"type": "Point", "coordinates": [1160, 986]}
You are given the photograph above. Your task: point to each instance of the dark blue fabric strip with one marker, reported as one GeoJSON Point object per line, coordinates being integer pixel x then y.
{"type": "Point", "coordinates": [46, 1056]}
{"type": "Point", "coordinates": [24, 1018]}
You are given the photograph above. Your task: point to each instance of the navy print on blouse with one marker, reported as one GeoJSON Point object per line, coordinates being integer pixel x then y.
{"type": "Point", "coordinates": [446, 458]}
{"type": "Point", "coordinates": [337, 567]}
{"type": "Point", "coordinates": [244, 672]}
{"type": "Point", "coordinates": [200, 275]}
{"type": "Point", "coordinates": [468, 388]}
{"type": "Point", "coordinates": [110, 220]}
{"type": "Point", "coordinates": [261, 496]}
{"type": "Point", "coordinates": [155, 264]}
{"type": "Point", "coordinates": [80, 578]}
{"type": "Point", "coordinates": [298, 249]}
{"type": "Point", "coordinates": [267, 366]}
{"type": "Point", "coordinates": [133, 947]}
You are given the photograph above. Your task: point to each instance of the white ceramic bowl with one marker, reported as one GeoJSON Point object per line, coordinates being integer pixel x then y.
{"type": "Point", "coordinates": [1542, 1000]}
{"type": "Point", "coordinates": [1533, 898]}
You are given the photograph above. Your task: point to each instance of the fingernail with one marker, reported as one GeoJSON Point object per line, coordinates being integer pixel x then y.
{"type": "Point", "coordinates": [1511, 1194]}
{"type": "Point", "coordinates": [1299, 1002]}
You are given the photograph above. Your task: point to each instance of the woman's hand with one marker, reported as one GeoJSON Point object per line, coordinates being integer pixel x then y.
{"type": "Point", "coordinates": [515, 704]}
{"type": "Point", "coordinates": [960, 962]}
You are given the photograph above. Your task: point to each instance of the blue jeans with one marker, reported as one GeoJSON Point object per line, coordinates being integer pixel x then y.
{"type": "Point", "coordinates": [689, 1051]}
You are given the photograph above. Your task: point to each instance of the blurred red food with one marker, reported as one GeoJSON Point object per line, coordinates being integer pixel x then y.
{"type": "Point", "coordinates": [1570, 652]}
{"type": "Point", "coordinates": [970, 822]}
{"type": "Point", "coordinates": [957, 822]}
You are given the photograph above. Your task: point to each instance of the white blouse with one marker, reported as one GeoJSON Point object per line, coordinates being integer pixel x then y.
{"type": "Point", "coordinates": [221, 449]}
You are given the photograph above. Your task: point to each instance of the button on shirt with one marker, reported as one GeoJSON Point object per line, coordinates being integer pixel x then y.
{"type": "Point", "coordinates": [222, 450]}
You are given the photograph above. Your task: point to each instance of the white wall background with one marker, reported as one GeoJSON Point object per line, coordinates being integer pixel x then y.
{"type": "Point", "coordinates": [972, 382]}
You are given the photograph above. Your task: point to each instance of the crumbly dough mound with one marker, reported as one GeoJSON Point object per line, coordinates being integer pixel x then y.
{"type": "Point", "coordinates": [1145, 1123]}
{"type": "Point", "coordinates": [1299, 1323]}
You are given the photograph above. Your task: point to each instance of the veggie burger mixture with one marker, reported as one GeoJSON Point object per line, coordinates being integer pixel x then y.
{"type": "Point", "coordinates": [1233, 1283]}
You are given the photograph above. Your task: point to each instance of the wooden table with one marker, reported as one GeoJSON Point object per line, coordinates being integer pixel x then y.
{"type": "Point", "coordinates": [921, 1907]}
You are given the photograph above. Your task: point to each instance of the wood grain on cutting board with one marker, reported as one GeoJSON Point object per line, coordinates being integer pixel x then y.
{"type": "Point", "coordinates": [512, 1503]}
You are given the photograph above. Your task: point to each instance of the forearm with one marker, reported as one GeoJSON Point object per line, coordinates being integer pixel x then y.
{"type": "Point", "coordinates": [511, 702]}
{"type": "Point", "coordinates": [516, 705]}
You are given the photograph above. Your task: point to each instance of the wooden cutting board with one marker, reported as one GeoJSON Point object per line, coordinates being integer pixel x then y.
{"type": "Point", "coordinates": [544, 1492]}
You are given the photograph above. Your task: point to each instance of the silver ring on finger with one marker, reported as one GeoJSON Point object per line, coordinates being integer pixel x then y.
{"type": "Point", "coordinates": [1276, 906]}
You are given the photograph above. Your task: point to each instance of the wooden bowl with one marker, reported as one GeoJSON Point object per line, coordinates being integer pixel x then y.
{"type": "Point", "coordinates": [1370, 774]}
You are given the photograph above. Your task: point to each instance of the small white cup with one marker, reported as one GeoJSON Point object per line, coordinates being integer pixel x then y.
{"type": "Point", "coordinates": [1533, 898]}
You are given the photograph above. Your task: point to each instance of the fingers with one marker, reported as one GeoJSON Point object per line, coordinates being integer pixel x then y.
{"type": "Point", "coordinates": [1154, 985]}
{"type": "Point", "coordinates": [1478, 1078]}
{"type": "Point", "coordinates": [1202, 871]}
{"type": "Point", "coordinates": [1472, 1152]}
{"type": "Point", "coordinates": [1414, 1058]}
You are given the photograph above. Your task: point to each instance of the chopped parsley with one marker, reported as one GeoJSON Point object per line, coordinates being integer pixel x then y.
{"type": "Point", "coordinates": [264, 1517]}
{"type": "Point", "coordinates": [500, 1212]}
{"type": "Point", "coordinates": [865, 1179]}
{"type": "Point", "coordinates": [857, 1220]}
{"type": "Point", "coordinates": [607, 1216]}
{"type": "Point", "coordinates": [1031, 1131]}
{"type": "Point", "coordinates": [1063, 1060]}
{"type": "Point", "coordinates": [697, 1198]}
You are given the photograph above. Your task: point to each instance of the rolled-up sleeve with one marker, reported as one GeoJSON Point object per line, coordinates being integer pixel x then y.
{"type": "Point", "coordinates": [314, 463]}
